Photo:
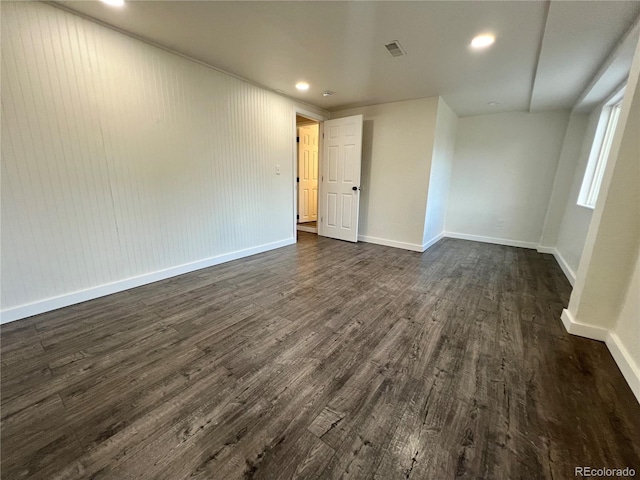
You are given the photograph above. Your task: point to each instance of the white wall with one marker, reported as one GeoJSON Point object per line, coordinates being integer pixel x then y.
{"type": "Point", "coordinates": [608, 267]}
{"type": "Point", "coordinates": [627, 327]}
{"type": "Point", "coordinates": [614, 231]}
{"type": "Point", "coordinates": [503, 172]}
{"type": "Point", "coordinates": [440, 177]}
{"type": "Point", "coordinates": [120, 159]}
{"type": "Point", "coordinates": [566, 171]}
{"type": "Point", "coordinates": [575, 221]}
{"type": "Point", "coordinates": [397, 146]}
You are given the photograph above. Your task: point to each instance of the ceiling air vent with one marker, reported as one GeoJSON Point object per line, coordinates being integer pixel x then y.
{"type": "Point", "coordinates": [395, 49]}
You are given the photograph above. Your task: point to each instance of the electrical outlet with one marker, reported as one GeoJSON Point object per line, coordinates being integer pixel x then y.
{"type": "Point", "coordinates": [500, 223]}
{"type": "Point", "coordinates": [277, 169]}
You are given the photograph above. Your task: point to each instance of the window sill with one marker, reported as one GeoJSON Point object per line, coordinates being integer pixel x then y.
{"type": "Point", "coordinates": [588, 207]}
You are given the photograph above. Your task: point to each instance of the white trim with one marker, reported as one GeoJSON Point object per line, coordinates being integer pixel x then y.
{"type": "Point", "coordinates": [617, 94]}
{"type": "Point", "coordinates": [316, 117]}
{"type": "Point", "coordinates": [588, 207]}
{"type": "Point", "coordinates": [42, 306]}
{"type": "Point", "coordinates": [390, 243]}
{"type": "Point", "coordinates": [542, 249]}
{"type": "Point", "coordinates": [433, 241]}
{"type": "Point", "coordinates": [630, 371]}
{"type": "Point", "coordinates": [497, 241]}
{"type": "Point", "coordinates": [599, 155]}
{"type": "Point", "coordinates": [320, 119]}
{"type": "Point", "coordinates": [582, 329]}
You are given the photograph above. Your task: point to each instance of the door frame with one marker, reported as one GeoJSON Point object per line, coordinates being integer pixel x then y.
{"type": "Point", "coordinates": [316, 118]}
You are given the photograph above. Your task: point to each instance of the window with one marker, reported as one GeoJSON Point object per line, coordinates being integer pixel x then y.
{"type": "Point", "coordinates": [600, 152]}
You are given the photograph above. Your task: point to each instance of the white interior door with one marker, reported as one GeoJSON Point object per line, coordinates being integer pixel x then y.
{"type": "Point", "coordinates": [308, 173]}
{"type": "Point", "coordinates": [340, 178]}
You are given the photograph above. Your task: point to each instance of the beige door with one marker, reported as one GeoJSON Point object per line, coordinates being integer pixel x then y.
{"type": "Point", "coordinates": [308, 173]}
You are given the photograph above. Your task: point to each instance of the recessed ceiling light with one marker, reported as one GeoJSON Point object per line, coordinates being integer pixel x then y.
{"type": "Point", "coordinates": [493, 104]}
{"type": "Point", "coordinates": [483, 41]}
{"type": "Point", "coordinates": [114, 3]}
{"type": "Point", "coordinates": [302, 86]}
{"type": "Point", "coordinates": [327, 93]}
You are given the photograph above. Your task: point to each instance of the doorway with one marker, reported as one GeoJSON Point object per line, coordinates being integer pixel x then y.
{"type": "Point", "coordinates": [307, 157]}
{"type": "Point", "coordinates": [327, 175]}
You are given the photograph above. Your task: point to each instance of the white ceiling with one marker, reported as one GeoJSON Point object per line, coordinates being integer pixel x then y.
{"type": "Point", "coordinates": [577, 39]}
{"type": "Point", "coordinates": [544, 57]}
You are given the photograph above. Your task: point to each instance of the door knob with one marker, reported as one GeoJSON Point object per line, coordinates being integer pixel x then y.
{"type": "Point", "coordinates": [354, 188]}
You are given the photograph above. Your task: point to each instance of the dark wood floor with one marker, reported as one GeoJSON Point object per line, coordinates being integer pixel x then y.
{"type": "Point", "coordinates": [320, 360]}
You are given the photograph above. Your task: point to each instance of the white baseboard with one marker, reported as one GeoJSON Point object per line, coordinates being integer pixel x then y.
{"type": "Point", "coordinates": [414, 247]}
{"type": "Point", "coordinates": [630, 370]}
{"type": "Point", "coordinates": [391, 243]}
{"type": "Point", "coordinates": [566, 269]}
{"type": "Point", "coordinates": [42, 306]}
{"type": "Point", "coordinates": [582, 329]}
{"type": "Point", "coordinates": [497, 241]}
{"type": "Point", "coordinates": [432, 242]}
{"type": "Point", "coordinates": [623, 359]}
{"type": "Point", "coordinates": [543, 249]}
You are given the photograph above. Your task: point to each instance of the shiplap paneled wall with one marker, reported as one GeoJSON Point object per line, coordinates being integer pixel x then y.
{"type": "Point", "coordinates": [123, 163]}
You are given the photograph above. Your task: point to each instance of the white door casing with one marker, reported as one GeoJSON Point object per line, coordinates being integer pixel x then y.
{"type": "Point", "coordinates": [308, 173]}
{"type": "Point", "coordinates": [340, 178]}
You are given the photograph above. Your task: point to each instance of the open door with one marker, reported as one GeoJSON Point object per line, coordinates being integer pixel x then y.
{"type": "Point", "coordinates": [340, 178]}
{"type": "Point", "coordinates": [308, 173]}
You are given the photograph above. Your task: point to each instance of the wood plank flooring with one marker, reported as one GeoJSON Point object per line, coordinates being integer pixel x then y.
{"type": "Point", "coordinates": [320, 360]}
